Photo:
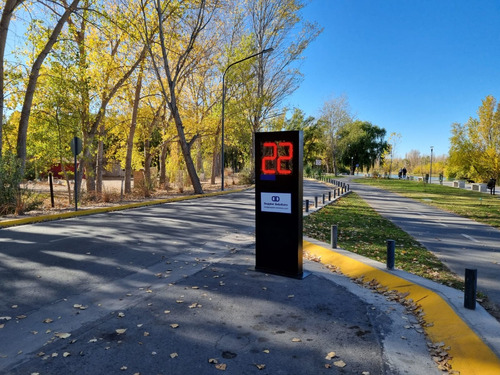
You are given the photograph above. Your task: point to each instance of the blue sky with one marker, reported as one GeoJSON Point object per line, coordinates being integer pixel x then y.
{"type": "Point", "coordinates": [412, 67]}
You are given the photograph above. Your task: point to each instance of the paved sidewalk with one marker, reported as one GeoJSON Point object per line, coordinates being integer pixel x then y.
{"type": "Point", "coordinates": [207, 311]}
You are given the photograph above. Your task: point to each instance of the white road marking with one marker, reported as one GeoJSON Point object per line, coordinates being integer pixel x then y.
{"type": "Point", "coordinates": [470, 238]}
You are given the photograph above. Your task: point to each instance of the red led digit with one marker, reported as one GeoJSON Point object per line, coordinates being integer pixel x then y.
{"type": "Point", "coordinates": [285, 158]}
{"type": "Point", "coordinates": [271, 158]}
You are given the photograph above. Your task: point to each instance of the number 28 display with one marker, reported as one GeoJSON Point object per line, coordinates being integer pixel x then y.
{"type": "Point", "coordinates": [277, 158]}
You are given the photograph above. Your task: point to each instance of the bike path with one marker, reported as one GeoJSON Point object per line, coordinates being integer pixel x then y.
{"type": "Point", "coordinates": [458, 242]}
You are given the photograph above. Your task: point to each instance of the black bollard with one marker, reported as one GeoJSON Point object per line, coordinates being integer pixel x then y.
{"type": "Point", "coordinates": [307, 205]}
{"type": "Point", "coordinates": [323, 198]}
{"type": "Point", "coordinates": [333, 236]}
{"type": "Point", "coordinates": [51, 190]}
{"type": "Point", "coordinates": [330, 195]}
{"type": "Point", "coordinates": [315, 202]}
{"type": "Point", "coordinates": [470, 289]}
{"type": "Point", "coordinates": [391, 249]}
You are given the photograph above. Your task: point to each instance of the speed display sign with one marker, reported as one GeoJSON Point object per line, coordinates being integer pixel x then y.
{"type": "Point", "coordinates": [278, 202]}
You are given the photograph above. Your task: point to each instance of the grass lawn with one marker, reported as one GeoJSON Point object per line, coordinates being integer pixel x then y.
{"type": "Point", "coordinates": [484, 208]}
{"type": "Point", "coordinates": [363, 231]}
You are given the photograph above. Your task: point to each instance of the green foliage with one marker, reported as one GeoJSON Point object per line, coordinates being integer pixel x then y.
{"type": "Point", "coordinates": [10, 179]}
{"type": "Point", "coordinates": [13, 199]}
{"type": "Point", "coordinates": [362, 144]}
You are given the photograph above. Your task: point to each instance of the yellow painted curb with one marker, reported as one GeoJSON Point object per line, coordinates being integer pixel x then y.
{"type": "Point", "coordinates": [470, 355]}
{"type": "Point", "coordinates": [92, 211]}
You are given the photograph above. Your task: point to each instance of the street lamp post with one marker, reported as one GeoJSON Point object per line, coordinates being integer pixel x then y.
{"type": "Point", "coordinates": [430, 172]}
{"type": "Point", "coordinates": [267, 50]}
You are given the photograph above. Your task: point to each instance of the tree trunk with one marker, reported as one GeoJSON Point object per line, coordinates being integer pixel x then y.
{"type": "Point", "coordinates": [163, 166]}
{"type": "Point", "coordinates": [99, 170]}
{"type": "Point", "coordinates": [215, 157]}
{"type": "Point", "coordinates": [131, 134]}
{"type": "Point", "coordinates": [32, 82]}
{"type": "Point", "coordinates": [8, 11]}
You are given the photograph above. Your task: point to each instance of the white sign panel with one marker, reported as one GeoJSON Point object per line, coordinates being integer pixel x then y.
{"type": "Point", "coordinates": [276, 202]}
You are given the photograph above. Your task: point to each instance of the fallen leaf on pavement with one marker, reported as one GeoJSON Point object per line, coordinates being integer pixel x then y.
{"type": "Point", "coordinates": [221, 366]}
{"type": "Point", "coordinates": [48, 320]}
{"type": "Point", "coordinates": [174, 355]}
{"type": "Point", "coordinates": [174, 325]}
{"type": "Point", "coordinates": [66, 354]}
{"type": "Point", "coordinates": [261, 366]}
{"type": "Point", "coordinates": [121, 315]}
{"type": "Point", "coordinates": [121, 331]}
{"type": "Point", "coordinates": [340, 364]}
{"type": "Point", "coordinates": [62, 335]}
{"type": "Point", "coordinates": [213, 360]}
{"type": "Point", "coordinates": [295, 339]}
{"type": "Point", "coordinates": [330, 355]}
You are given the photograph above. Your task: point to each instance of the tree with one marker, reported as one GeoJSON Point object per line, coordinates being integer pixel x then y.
{"type": "Point", "coordinates": [475, 147]}
{"type": "Point", "coordinates": [32, 82]}
{"type": "Point", "coordinates": [313, 132]}
{"type": "Point", "coordinates": [362, 144]}
{"type": "Point", "coordinates": [8, 10]}
{"type": "Point", "coordinates": [335, 114]}
{"type": "Point", "coordinates": [180, 25]}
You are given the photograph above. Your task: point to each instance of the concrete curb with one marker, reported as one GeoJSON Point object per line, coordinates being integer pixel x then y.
{"type": "Point", "coordinates": [470, 354]}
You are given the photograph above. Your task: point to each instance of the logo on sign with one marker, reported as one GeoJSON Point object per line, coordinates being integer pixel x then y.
{"type": "Point", "coordinates": [275, 198]}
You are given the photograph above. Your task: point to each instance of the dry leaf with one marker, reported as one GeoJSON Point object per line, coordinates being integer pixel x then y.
{"type": "Point", "coordinates": [166, 312]}
{"type": "Point", "coordinates": [295, 339]}
{"type": "Point", "coordinates": [2, 325]}
{"type": "Point", "coordinates": [14, 306]}
{"type": "Point", "coordinates": [261, 366]}
{"type": "Point", "coordinates": [221, 366]}
{"type": "Point", "coordinates": [146, 334]}
{"type": "Point", "coordinates": [330, 355]}
{"type": "Point", "coordinates": [121, 315]}
{"type": "Point", "coordinates": [174, 355]}
{"type": "Point", "coordinates": [266, 351]}
{"type": "Point", "coordinates": [139, 325]}
{"type": "Point", "coordinates": [92, 340]}
{"type": "Point", "coordinates": [6, 318]}
{"type": "Point", "coordinates": [153, 353]}
{"type": "Point", "coordinates": [213, 360]}
{"type": "Point", "coordinates": [121, 331]}
{"type": "Point", "coordinates": [174, 325]}
{"type": "Point", "coordinates": [340, 364]}
{"type": "Point", "coordinates": [63, 335]}
{"type": "Point", "coordinates": [123, 368]}
{"type": "Point", "coordinates": [66, 354]}
{"type": "Point", "coordinates": [54, 355]}
{"type": "Point", "coordinates": [48, 320]}
{"type": "Point", "coordinates": [21, 317]}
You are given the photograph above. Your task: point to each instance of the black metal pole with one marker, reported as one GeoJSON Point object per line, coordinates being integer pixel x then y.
{"type": "Point", "coordinates": [470, 289]}
{"type": "Point", "coordinates": [391, 246]}
{"type": "Point", "coordinates": [76, 183]}
{"type": "Point", "coordinates": [51, 190]}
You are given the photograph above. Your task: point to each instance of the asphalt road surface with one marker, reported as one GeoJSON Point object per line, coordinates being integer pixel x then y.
{"type": "Point", "coordinates": [170, 289]}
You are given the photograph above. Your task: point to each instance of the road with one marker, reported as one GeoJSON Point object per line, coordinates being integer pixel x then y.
{"type": "Point", "coordinates": [171, 289]}
{"type": "Point", "coordinates": [458, 242]}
